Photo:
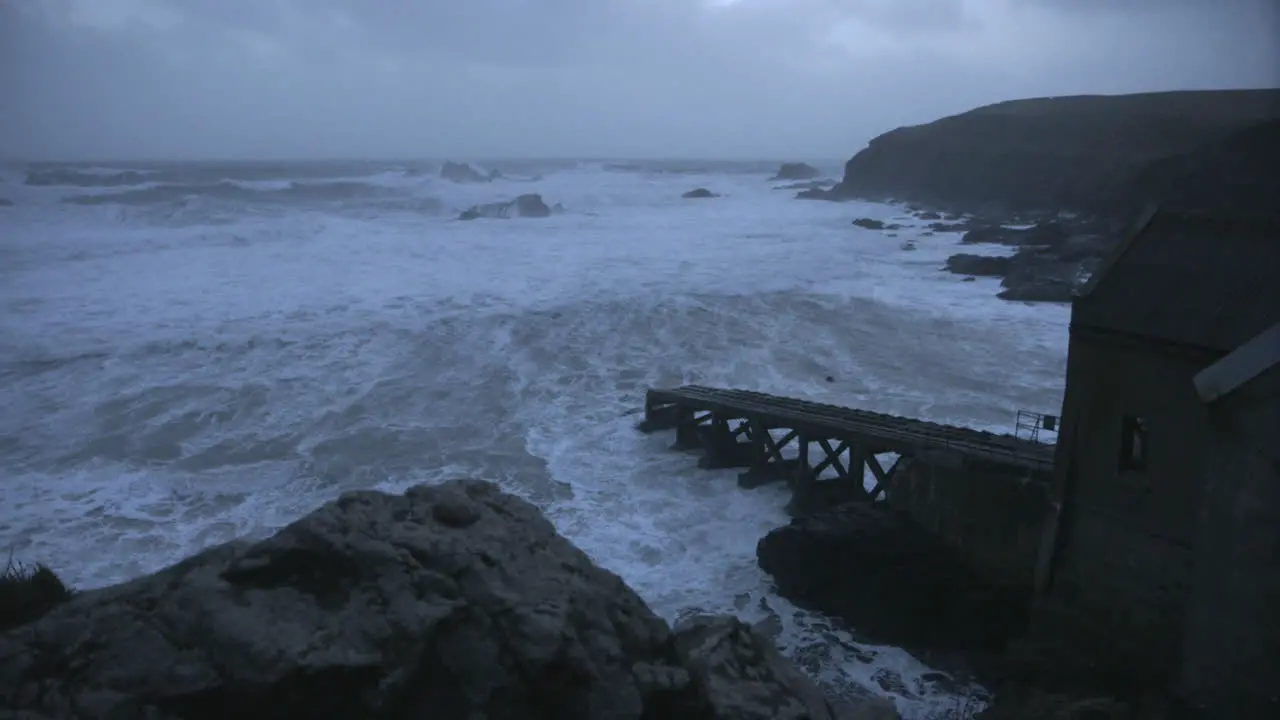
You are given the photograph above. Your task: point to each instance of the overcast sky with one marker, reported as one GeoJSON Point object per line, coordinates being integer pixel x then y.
{"type": "Point", "coordinates": [578, 78]}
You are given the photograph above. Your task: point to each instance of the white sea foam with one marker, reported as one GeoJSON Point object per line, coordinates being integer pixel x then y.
{"type": "Point", "coordinates": [174, 379]}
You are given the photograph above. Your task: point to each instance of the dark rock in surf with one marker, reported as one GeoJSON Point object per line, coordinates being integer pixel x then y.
{"type": "Point", "coordinates": [1052, 261]}
{"type": "Point", "coordinates": [530, 205]}
{"type": "Point", "coordinates": [796, 171]}
{"type": "Point", "coordinates": [815, 193]}
{"type": "Point", "coordinates": [462, 173]}
{"type": "Point", "coordinates": [928, 215]}
{"type": "Point", "coordinates": [823, 185]}
{"type": "Point", "coordinates": [1033, 277]}
{"type": "Point", "coordinates": [895, 582]}
{"type": "Point", "coordinates": [869, 224]}
{"type": "Point", "coordinates": [5, 202]}
{"type": "Point", "coordinates": [745, 677]}
{"type": "Point", "coordinates": [450, 601]}
{"type": "Point", "coordinates": [979, 265]}
{"type": "Point", "coordinates": [699, 193]}
{"type": "Point", "coordinates": [1047, 233]}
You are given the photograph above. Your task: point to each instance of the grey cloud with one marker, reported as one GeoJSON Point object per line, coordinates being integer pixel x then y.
{"type": "Point", "coordinates": [576, 77]}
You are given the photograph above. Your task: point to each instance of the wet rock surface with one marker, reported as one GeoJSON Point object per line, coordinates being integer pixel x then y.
{"type": "Point", "coordinates": [529, 206]}
{"type": "Point", "coordinates": [1052, 261]}
{"type": "Point", "coordinates": [822, 185]}
{"type": "Point", "coordinates": [449, 601]}
{"type": "Point", "coordinates": [465, 173]}
{"type": "Point", "coordinates": [796, 171]}
{"type": "Point", "coordinates": [697, 193]}
{"type": "Point", "coordinates": [893, 582]}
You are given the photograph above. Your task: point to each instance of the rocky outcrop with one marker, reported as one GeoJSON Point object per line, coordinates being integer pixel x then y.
{"type": "Point", "coordinates": [979, 265]}
{"type": "Point", "coordinates": [464, 173]}
{"type": "Point", "coordinates": [699, 193]}
{"type": "Point", "coordinates": [869, 224]}
{"type": "Point", "coordinates": [894, 582]}
{"type": "Point", "coordinates": [1076, 153]}
{"type": "Point", "coordinates": [742, 676]}
{"type": "Point", "coordinates": [529, 205]}
{"type": "Point", "coordinates": [1053, 260]}
{"type": "Point", "coordinates": [796, 171]}
{"type": "Point", "coordinates": [450, 601]}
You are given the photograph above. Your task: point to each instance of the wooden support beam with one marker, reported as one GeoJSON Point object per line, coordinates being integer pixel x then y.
{"type": "Point", "coordinates": [774, 448]}
{"type": "Point", "coordinates": [804, 472]}
{"type": "Point", "coordinates": [687, 436]}
{"type": "Point", "coordinates": [722, 447]}
{"type": "Point", "coordinates": [659, 417]}
{"type": "Point", "coordinates": [883, 477]}
{"type": "Point", "coordinates": [832, 459]}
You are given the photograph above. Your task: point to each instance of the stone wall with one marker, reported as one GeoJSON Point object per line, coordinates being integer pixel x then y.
{"type": "Point", "coordinates": [993, 515]}
{"type": "Point", "coordinates": [1232, 642]}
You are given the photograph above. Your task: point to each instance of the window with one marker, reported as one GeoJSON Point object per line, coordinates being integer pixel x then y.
{"type": "Point", "coordinates": [1133, 443]}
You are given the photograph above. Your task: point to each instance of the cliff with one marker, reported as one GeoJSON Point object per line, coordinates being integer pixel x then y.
{"type": "Point", "coordinates": [1089, 153]}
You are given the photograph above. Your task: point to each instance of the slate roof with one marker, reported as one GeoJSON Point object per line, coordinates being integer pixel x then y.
{"type": "Point", "coordinates": [1206, 281]}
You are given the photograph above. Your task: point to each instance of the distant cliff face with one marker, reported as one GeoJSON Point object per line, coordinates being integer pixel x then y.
{"type": "Point", "coordinates": [1070, 153]}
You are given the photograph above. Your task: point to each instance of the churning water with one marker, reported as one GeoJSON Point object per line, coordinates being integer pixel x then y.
{"type": "Point", "coordinates": [190, 353]}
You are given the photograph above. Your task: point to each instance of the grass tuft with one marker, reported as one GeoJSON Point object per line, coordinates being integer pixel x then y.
{"type": "Point", "coordinates": [27, 592]}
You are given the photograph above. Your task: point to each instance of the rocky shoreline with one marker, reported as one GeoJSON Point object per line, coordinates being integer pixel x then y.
{"type": "Point", "coordinates": [898, 584]}
{"type": "Point", "coordinates": [1082, 169]}
{"type": "Point", "coordinates": [449, 601]}
{"type": "Point", "coordinates": [459, 600]}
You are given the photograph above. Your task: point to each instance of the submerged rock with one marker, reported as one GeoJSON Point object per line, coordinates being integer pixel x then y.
{"type": "Point", "coordinates": [796, 171]}
{"type": "Point", "coordinates": [699, 193]}
{"type": "Point", "coordinates": [464, 173]}
{"type": "Point", "coordinates": [869, 224]}
{"type": "Point", "coordinates": [5, 202]}
{"type": "Point", "coordinates": [450, 601]}
{"type": "Point", "coordinates": [823, 185]}
{"type": "Point", "coordinates": [816, 193]}
{"type": "Point", "coordinates": [529, 205]}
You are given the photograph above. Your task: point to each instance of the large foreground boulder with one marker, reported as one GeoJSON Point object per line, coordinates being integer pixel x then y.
{"type": "Point", "coordinates": [892, 580]}
{"type": "Point", "coordinates": [450, 601]}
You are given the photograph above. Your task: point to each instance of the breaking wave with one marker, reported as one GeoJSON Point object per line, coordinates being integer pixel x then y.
{"type": "Point", "coordinates": [235, 191]}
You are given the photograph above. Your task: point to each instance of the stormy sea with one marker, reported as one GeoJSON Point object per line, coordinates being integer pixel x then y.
{"type": "Point", "coordinates": [193, 352]}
